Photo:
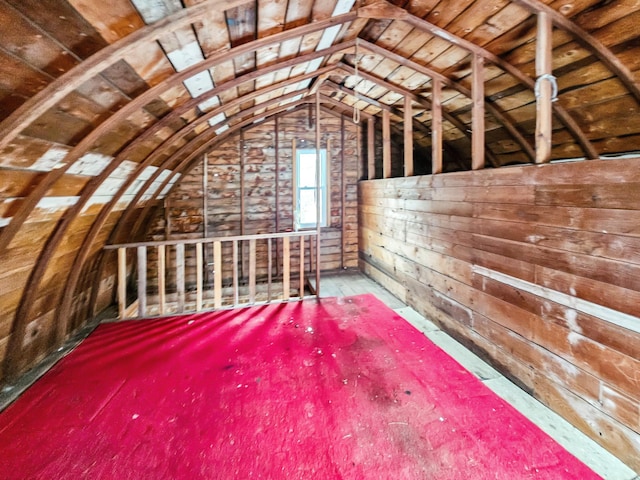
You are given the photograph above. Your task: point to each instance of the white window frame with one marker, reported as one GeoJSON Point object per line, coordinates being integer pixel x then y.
{"type": "Point", "coordinates": [324, 190]}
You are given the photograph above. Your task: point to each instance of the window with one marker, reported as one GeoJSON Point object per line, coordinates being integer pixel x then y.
{"type": "Point", "coordinates": [306, 191]}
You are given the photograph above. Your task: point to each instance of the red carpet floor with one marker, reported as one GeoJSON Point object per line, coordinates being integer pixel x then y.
{"type": "Point", "coordinates": [342, 388]}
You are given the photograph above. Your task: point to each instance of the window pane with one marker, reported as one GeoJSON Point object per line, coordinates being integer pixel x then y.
{"type": "Point", "coordinates": [308, 208]}
{"type": "Point", "coordinates": [307, 170]}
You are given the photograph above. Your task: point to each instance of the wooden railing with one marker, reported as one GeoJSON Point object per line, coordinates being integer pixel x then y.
{"type": "Point", "coordinates": [180, 276]}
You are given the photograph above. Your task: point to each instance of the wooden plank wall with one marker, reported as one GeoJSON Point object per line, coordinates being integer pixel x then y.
{"type": "Point", "coordinates": [224, 177]}
{"type": "Point", "coordinates": [535, 267]}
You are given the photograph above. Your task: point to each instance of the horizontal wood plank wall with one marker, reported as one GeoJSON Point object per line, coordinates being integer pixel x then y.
{"type": "Point", "coordinates": [224, 217]}
{"type": "Point", "coordinates": [472, 250]}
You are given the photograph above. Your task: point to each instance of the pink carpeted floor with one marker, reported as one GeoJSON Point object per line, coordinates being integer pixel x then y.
{"type": "Point", "coordinates": [330, 389]}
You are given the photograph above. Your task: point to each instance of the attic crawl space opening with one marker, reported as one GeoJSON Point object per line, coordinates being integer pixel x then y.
{"type": "Point", "coordinates": [479, 159]}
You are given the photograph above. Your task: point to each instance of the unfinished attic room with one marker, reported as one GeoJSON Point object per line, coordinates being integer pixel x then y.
{"type": "Point", "coordinates": [320, 239]}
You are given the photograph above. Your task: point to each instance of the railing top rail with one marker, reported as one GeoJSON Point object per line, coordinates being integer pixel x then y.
{"type": "Point", "coordinates": [192, 241]}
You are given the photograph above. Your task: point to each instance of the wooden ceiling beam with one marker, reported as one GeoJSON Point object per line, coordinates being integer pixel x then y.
{"type": "Point", "coordinates": [419, 100]}
{"type": "Point", "coordinates": [29, 202]}
{"type": "Point", "coordinates": [589, 42]}
{"type": "Point", "coordinates": [498, 114]}
{"type": "Point", "coordinates": [425, 26]}
{"type": "Point", "coordinates": [101, 60]}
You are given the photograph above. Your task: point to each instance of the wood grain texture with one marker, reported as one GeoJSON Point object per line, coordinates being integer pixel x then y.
{"type": "Point", "coordinates": [439, 251]}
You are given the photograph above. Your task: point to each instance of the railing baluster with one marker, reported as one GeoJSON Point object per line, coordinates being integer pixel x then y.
{"type": "Point", "coordinates": [269, 268]}
{"type": "Point", "coordinates": [217, 275]}
{"type": "Point", "coordinates": [198, 277]}
{"type": "Point", "coordinates": [162, 287]}
{"type": "Point", "coordinates": [285, 268]}
{"type": "Point", "coordinates": [301, 266]}
{"type": "Point", "coordinates": [252, 270]}
{"type": "Point", "coordinates": [180, 276]}
{"type": "Point", "coordinates": [235, 273]}
{"type": "Point", "coordinates": [142, 281]}
{"type": "Point", "coordinates": [122, 282]}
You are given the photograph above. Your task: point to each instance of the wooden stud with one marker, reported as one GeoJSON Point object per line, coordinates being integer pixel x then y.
{"type": "Point", "coordinates": [217, 275]}
{"type": "Point", "coordinates": [477, 121]}
{"type": "Point", "coordinates": [242, 204]}
{"type": "Point", "coordinates": [269, 268]}
{"type": "Point", "coordinates": [142, 282]}
{"type": "Point", "coordinates": [162, 288]}
{"type": "Point", "coordinates": [205, 188]}
{"type": "Point", "coordinates": [199, 268]}
{"type": "Point", "coordinates": [408, 137]}
{"type": "Point", "coordinates": [371, 149]}
{"type": "Point", "coordinates": [236, 294]}
{"type": "Point", "coordinates": [301, 266]}
{"type": "Point", "coordinates": [122, 282]}
{"type": "Point", "coordinates": [386, 145]}
{"type": "Point", "coordinates": [436, 126]}
{"type": "Point", "coordinates": [294, 176]}
{"type": "Point", "coordinates": [252, 270]}
{"type": "Point", "coordinates": [276, 135]}
{"type": "Point", "coordinates": [318, 190]}
{"type": "Point", "coordinates": [544, 112]}
{"type": "Point", "coordinates": [180, 276]}
{"type": "Point", "coordinates": [286, 259]}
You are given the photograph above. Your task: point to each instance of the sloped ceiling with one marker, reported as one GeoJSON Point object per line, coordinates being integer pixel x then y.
{"type": "Point", "coordinates": [104, 104]}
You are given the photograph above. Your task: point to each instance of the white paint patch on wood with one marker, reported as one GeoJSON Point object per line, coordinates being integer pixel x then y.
{"type": "Point", "coordinates": [222, 129]}
{"type": "Point", "coordinates": [52, 159]}
{"type": "Point", "coordinates": [610, 315]}
{"type": "Point", "coordinates": [91, 164]}
{"type": "Point", "coordinates": [213, 121]}
{"type": "Point", "coordinates": [183, 58]}
{"type": "Point", "coordinates": [342, 6]}
{"type": "Point", "coordinates": [153, 10]}
{"type": "Point", "coordinates": [209, 104]}
{"type": "Point", "coordinates": [53, 204]}
{"type": "Point", "coordinates": [166, 189]}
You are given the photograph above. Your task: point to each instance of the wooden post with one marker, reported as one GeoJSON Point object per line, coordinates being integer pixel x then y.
{"type": "Point", "coordinates": [285, 268]}
{"type": "Point", "coordinates": [436, 126]}
{"type": "Point", "coordinates": [294, 177]}
{"type": "Point", "coordinates": [477, 130]}
{"type": "Point", "coordinates": [371, 149]}
{"type": "Point", "coordinates": [252, 270]}
{"type": "Point", "coordinates": [217, 274]}
{"type": "Point", "coordinates": [235, 273]}
{"type": "Point", "coordinates": [408, 137]}
{"type": "Point", "coordinates": [205, 181]}
{"type": "Point", "coordinates": [199, 276]}
{"type": "Point", "coordinates": [122, 282]}
{"type": "Point", "coordinates": [162, 287]}
{"type": "Point", "coordinates": [269, 268]}
{"type": "Point", "coordinates": [301, 266]}
{"type": "Point", "coordinates": [544, 119]}
{"type": "Point", "coordinates": [318, 191]}
{"type": "Point", "coordinates": [142, 281]}
{"type": "Point", "coordinates": [277, 196]}
{"type": "Point", "coordinates": [180, 276]}
{"type": "Point", "coordinates": [386, 144]}
{"type": "Point", "coordinates": [242, 203]}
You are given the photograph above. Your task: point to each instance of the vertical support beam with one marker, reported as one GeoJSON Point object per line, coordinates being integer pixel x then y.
{"type": "Point", "coordinates": [294, 178]}
{"type": "Point", "coordinates": [371, 148]}
{"type": "Point", "coordinates": [269, 267]}
{"type": "Point", "coordinates": [162, 286]}
{"type": "Point", "coordinates": [276, 135]}
{"type": "Point", "coordinates": [408, 137]}
{"type": "Point", "coordinates": [205, 206]}
{"type": "Point", "coordinates": [235, 273]}
{"type": "Point", "coordinates": [217, 274]}
{"type": "Point", "coordinates": [122, 282]}
{"type": "Point", "coordinates": [318, 191]}
{"type": "Point", "coordinates": [199, 276]}
{"type": "Point", "coordinates": [436, 126]}
{"type": "Point", "coordinates": [252, 270]}
{"type": "Point", "coordinates": [477, 129]}
{"type": "Point", "coordinates": [167, 217]}
{"type": "Point", "coordinates": [343, 190]}
{"type": "Point", "coordinates": [242, 202]}
{"type": "Point", "coordinates": [544, 112]}
{"type": "Point", "coordinates": [386, 144]}
{"type": "Point", "coordinates": [301, 266]}
{"type": "Point", "coordinates": [180, 276]}
{"type": "Point", "coordinates": [142, 281]}
{"type": "Point", "coordinates": [285, 268]}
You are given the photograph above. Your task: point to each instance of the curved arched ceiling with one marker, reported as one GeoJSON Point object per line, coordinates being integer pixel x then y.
{"type": "Point", "coordinates": [105, 104]}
